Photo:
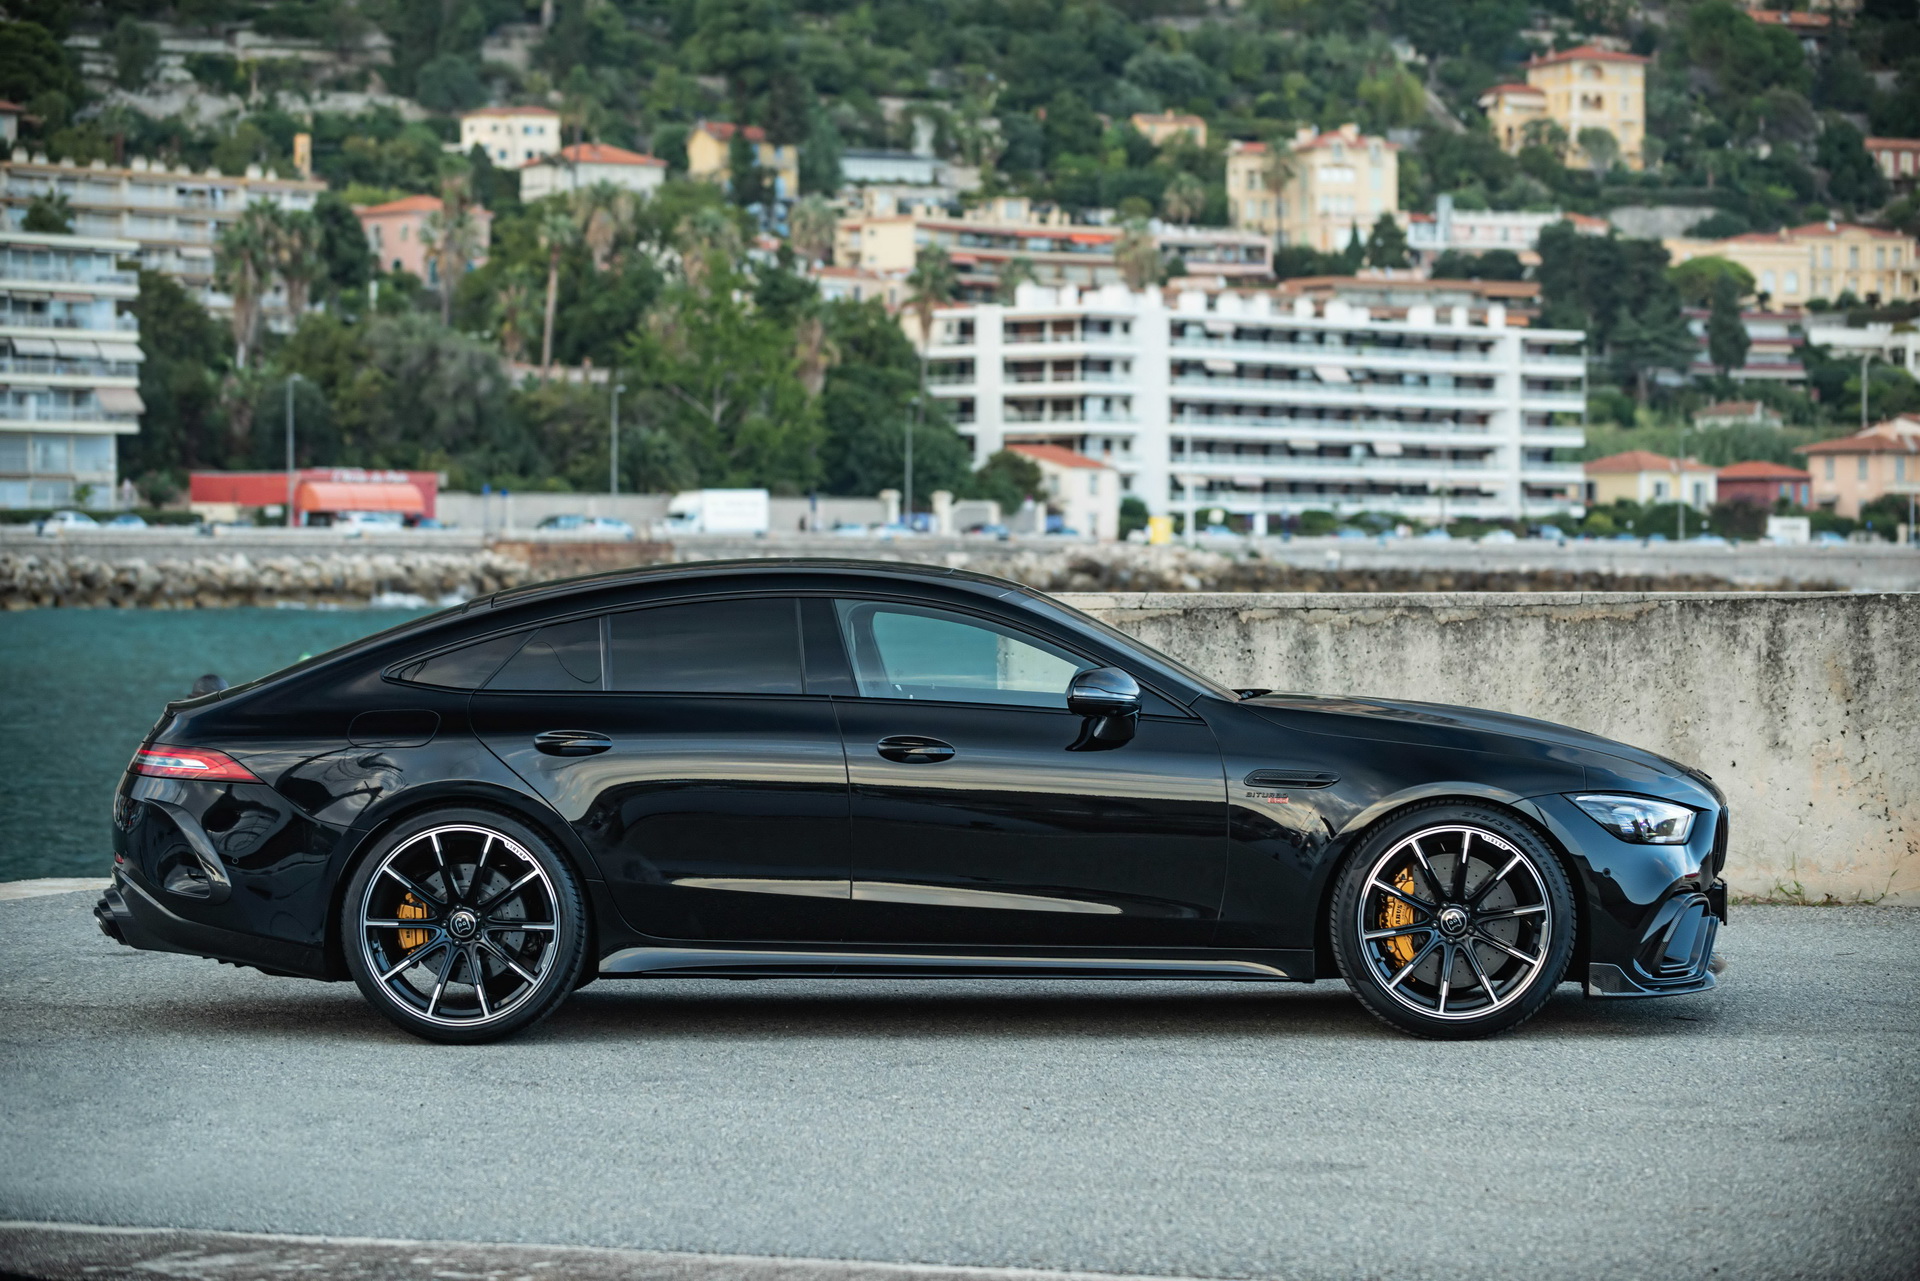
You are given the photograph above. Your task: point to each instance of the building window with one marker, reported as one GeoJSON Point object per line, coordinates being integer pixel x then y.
{"type": "Point", "coordinates": [1766, 281]}
{"type": "Point", "coordinates": [1829, 468]}
{"type": "Point", "coordinates": [1793, 282]}
{"type": "Point", "coordinates": [1853, 256]}
{"type": "Point", "coordinates": [1659, 490]}
{"type": "Point", "coordinates": [1863, 467]}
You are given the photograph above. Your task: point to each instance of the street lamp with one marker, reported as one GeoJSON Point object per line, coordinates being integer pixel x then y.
{"type": "Point", "coordinates": [291, 380]}
{"type": "Point", "coordinates": [613, 443]}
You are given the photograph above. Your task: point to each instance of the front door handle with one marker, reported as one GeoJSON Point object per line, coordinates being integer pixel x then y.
{"type": "Point", "coordinates": [912, 749]}
{"type": "Point", "coordinates": [571, 742]}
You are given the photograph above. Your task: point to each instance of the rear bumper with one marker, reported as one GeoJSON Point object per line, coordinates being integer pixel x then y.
{"type": "Point", "coordinates": [127, 914]}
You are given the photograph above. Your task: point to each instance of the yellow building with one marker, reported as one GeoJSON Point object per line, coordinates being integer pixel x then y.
{"type": "Point", "coordinates": [1819, 260]}
{"type": "Point", "coordinates": [711, 142]}
{"type": "Point", "coordinates": [1584, 88]}
{"type": "Point", "coordinates": [1337, 181]}
{"type": "Point", "coordinates": [513, 137]}
{"type": "Point", "coordinates": [1642, 476]}
{"type": "Point", "coordinates": [1160, 128]}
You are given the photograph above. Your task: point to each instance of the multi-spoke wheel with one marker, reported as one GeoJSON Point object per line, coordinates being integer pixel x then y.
{"type": "Point", "coordinates": [463, 926]}
{"type": "Point", "coordinates": [1453, 921]}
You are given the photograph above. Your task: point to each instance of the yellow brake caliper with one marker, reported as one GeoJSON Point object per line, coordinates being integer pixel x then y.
{"type": "Point", "coordinates": [1394, 916]}
{"type": "Point", "coordinates": [412, 909]}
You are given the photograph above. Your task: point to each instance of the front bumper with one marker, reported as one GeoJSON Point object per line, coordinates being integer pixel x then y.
{"type": "Point", "coordinates": [1677, 956]}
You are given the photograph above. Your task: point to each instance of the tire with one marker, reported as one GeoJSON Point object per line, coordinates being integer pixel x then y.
{"type": "Point", "coordinates": [1439, 956]}
{"type": "Point", "coordinates": [491, 899]}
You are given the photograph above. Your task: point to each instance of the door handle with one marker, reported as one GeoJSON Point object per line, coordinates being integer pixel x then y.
{"type": "Point", "coordinates": [911, 749]}
{"type": "Point", "coordinates": [571, 742]}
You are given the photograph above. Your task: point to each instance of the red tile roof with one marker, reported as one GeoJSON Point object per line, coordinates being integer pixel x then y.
{"type": "Point", "coordinates": [599, 153]}
{"type": "Point", "coordinates": [1638, 460]}
{"type": "Point", "coordinates": [1513, 87]}
{"type": "Point", "coordinates": [406, 204]}
{"type": "Point", "coordinates": [724, 131]}
{"type": "Point", "coordinates": [1763, 471]}
{"type": "Point", "coordinates": [1058, 455]}
{"type": "Point", "coordinates": [1587, 53]}
{"type": "Point", "coordinates": [1333, 136]}
{"type": "Point", "coordinates": [1895, 436]}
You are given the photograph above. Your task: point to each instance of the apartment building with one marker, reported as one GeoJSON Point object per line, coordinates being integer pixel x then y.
{"type": "Point", "coordinates": [1795, 265]}
{"type": "Point", "coordinates": [69, 367]}
{"type": "Point", "coordinates": [172, 214]}
{"type": "Point", "coordinates": [710, 150]}
{"type": "Point", "coordinates": [512, 137]}
{"type": "Point", "coordinates": [1857, 470]}
{"type": "Point", "coordinates": [1592, 88]}
{"type": "Point", "coordinates": [1336, 183]}
{"type": "Point", "coordinates": [1265, 406]}
{"type": "Point", "coordinates": [984, 241]}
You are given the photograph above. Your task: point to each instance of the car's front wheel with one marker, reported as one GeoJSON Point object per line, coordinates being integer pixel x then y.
{"type": "Point", "coordinates": [464, 925]}
{"type": "Point", "coordinates": [1453, 921]}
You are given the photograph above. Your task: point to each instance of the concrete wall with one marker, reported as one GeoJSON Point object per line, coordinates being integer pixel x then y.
{"type": "Point", "coordinates": [1805, 708]}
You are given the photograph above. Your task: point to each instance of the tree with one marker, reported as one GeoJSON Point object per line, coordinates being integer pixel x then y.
{"type": "Point", "coordinates": [709, 243]}
{"type": "Point", "coordinates": [1639, 347]}
{"type": "Point", "coordinates": [1137, 256]}
{"type": "Point", "coordinates": [343, 244]}
{"type": "Point", "coordinates": [869, 397]}
{"type": "Point", "coordinates": [810, 229]}
{"type": "Point", "coordinates": [135, 50]}
{"type": "Point", "coordinates": [605, 214]}
{"type": "Point", "coordinates": [49, 214]}
{"type": "Point", "coordinates": [820, 157]}
{"type": "Point", "coordinates": [1008, 479]}
{"type": "Point", "coordinates": [186, 356]}
{"type": "Point", "coordinates": [1387, 245]}
{"type": "Point", "coordinates": [1696, 279]}
{"type": "Point", "coordinates": [243, 261]}
{"type": "Point", "coordinates": [297, 239]}
{"type": "Point", "coordinates": [1852, 177]}
{"type": "Point", "coordinates": [1495, 264]}
{"type": "Point", "coordinates": [1184, 199]}
{"type": "Point", "coordinates": [1601, 149]}
{"type": "Point", "coordinates": [516, 311]}
{"type": "Point", "coordinates": [1018, 272]}
{"type": "Point", "coordinates": [1726, 335]}
{"type": "Point", "coordinates": [1549, 135]}
{"type": "Point", "coordinates": [558, 232]}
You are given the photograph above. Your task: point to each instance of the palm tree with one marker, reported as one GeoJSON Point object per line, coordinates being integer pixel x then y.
{"type": "Point", "coordinates": [516, 310]}
{"type": "Point", "coordinates": [452, 234]}
{"type": "Point", "coordinates": [1280, 167]}
{"type": "Point", "coordinates": [1017, 272]}
{"type": "Point", "coordinates": [932, 282]}
{"type": "Point", "coordinates": [558, 232]}
{"type": "Point", "coordinates": [606, 216]}
{"type": "Point", "coordinates": [242, 266]}
{"type": "Point", "coordinates": [1137, 256]}
{"type": "Point", "coordinates": [1184, 199]}
{"type": "Point", "coordinates": [814, 354]}
{"type": "Point", "coordinates": [297, 238]}
{"type": "Point", "coordinates": [810, 229]}
{"type": "Point", "coordinates": [706, 235]}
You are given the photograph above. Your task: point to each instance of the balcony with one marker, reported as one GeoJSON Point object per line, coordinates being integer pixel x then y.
{"type": "Point", "coordinates": [1273, 467]}
{"type": "Point", "coordinates": [34, 412]}
{"type": "Point", "coordinates": [127, 323]}
{"type": "Point", "coordinates": [56, 274]}
{"type": "Point", "coordinates": [1023, 416]}
{"type": "Point", "coordinates": [1320, 427]}
{"type": "Point", "coordinates": [55, 367]}
{"type": "Point", "coordinates": [1330, 351]}
{"type": "Point", "coordinates": [1313, 391]}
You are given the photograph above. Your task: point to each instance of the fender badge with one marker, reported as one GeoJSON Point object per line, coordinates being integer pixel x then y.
{"type": "Point", "coordinates": [1270, 798]}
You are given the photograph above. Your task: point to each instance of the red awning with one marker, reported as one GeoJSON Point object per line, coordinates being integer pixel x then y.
{"type": "Point", "coordinates": [358, 496]}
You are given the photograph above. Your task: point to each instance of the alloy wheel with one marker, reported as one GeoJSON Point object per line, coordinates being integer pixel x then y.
{"type": "Point", "coordinates": [1455, 921]}
{"type": "Point", "coordinates": [458, 925]}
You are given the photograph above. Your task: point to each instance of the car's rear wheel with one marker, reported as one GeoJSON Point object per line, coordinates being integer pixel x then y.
{"type": "Point", "coordinates": [464, 925]}
{"type": "Point", "coordinates": [1454, 921]}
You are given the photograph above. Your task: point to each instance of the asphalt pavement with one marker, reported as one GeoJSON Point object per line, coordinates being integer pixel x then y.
{"type": "Point", "coordinates": [1767, 1129]}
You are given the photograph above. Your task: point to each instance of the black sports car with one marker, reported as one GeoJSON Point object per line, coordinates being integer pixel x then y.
{"type": "Point", "coordinates": [769, 768]}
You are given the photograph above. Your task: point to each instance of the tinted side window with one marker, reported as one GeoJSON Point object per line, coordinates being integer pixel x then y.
{"type": "Point", "coordinates": [709, 647]}
{"type": "Point", "coordinates": [465, 668]}
{"type": "Point", "coordinates": [564, 656]}
{"type": "Point", "coordinates": [907, 651]}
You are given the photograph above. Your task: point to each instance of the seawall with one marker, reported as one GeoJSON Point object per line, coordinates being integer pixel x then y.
{"type": "Point", "coordinates": [1805, 708]}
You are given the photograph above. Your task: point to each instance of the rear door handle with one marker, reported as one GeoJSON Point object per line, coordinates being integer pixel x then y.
{"type": "Point", "coordinates": [571, 742]}
{"type": "Point", "coordinates": [912, 749]}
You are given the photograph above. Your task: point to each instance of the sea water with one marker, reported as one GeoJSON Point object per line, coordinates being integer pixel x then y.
{"type": "Point", "coordinates": [79, 688]}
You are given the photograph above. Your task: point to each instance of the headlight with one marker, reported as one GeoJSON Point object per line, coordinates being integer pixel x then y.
{"type": "Point", "coordinates": [1637, 819]}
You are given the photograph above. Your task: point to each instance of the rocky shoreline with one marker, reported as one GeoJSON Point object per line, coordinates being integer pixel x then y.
{"type": "Point", "coordinates": [419, 579]}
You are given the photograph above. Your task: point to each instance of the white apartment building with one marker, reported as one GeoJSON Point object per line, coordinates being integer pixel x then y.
{"type": "Point", "coordinates": [512, 137]}
{"type": "Point", "coordinates": [1265, 407]}
{"type": "Point", "coordinates": [69, 367]}
{"type": "Point", "coordinates": [173, 215]}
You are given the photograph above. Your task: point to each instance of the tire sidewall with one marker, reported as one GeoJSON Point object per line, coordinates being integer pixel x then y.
{"type": "Point", "coordinates": [1349, 950]}
{"type": "Point", "coordinates": [569, 939]}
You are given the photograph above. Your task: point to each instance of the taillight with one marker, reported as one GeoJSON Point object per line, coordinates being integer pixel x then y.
{"type": "Point", "coordinates": [190, 762]}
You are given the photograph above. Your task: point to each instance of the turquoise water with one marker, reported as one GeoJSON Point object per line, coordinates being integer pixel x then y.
{"type": "Point", "coordinates": [79, 688]}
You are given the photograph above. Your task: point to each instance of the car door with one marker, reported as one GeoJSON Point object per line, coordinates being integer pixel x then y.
{"type": "Point", "coordinates": [681, 743]}
{"type": "Point", "coordinates": [979, 817]}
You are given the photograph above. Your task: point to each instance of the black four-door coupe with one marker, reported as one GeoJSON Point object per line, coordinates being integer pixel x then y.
{"type": "Point", "coordinates": [816, 768]}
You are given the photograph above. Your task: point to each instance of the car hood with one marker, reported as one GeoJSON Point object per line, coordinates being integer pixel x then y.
{"type": "Point", "coordinates": [1473, 729]}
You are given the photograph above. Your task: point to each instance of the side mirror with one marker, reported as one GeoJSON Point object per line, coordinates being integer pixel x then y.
{"type": "Point", "coordinates": [1103, 691]}
{"type": "Point", "coordinates": [1110, 700]}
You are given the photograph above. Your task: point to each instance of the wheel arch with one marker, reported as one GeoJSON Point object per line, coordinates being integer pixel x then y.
{"type": "Point", "coordinates": [475, 795]}
{"type": "Point", "coordinates": [1355, 834]}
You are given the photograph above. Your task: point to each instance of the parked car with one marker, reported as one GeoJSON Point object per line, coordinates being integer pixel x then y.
{"type": "Point", "coordinates": [362, 521]}
{"type": "Point", "coordinates": [60, 521]}
{"type": "Point", "coordinates": [1827, 538]}
{"type": "Point", "coordinates": [128, 520]}
{"type": "Point", "coordinates": [1499, 536]}
{"type": "Point", "coordinates": [1436, 535]}
{"type": "Point", "coordinates": [809, 768]}
{"type": "Point", "coordinates": [601, 526]}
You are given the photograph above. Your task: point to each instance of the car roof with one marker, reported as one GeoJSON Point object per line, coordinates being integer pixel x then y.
{"type": "Point", "coordinates": [775, 566]}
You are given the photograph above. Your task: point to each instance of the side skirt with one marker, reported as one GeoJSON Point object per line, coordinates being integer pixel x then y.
{"type": "Point", "coordinates": [694, 962]}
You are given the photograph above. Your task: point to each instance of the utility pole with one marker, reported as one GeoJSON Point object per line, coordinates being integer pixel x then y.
{"type": "Point", "coordinates": [291, 380]}
{"type": "Point", "coordinates": [613, 444]}
{"type": "Point", "coordinates": [906, 514]}
{"type": "Point", "coordinates": [1679, 489]}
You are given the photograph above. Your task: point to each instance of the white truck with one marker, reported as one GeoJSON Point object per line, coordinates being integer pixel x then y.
{"type": "Point", "coordinates": [719, 511]}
